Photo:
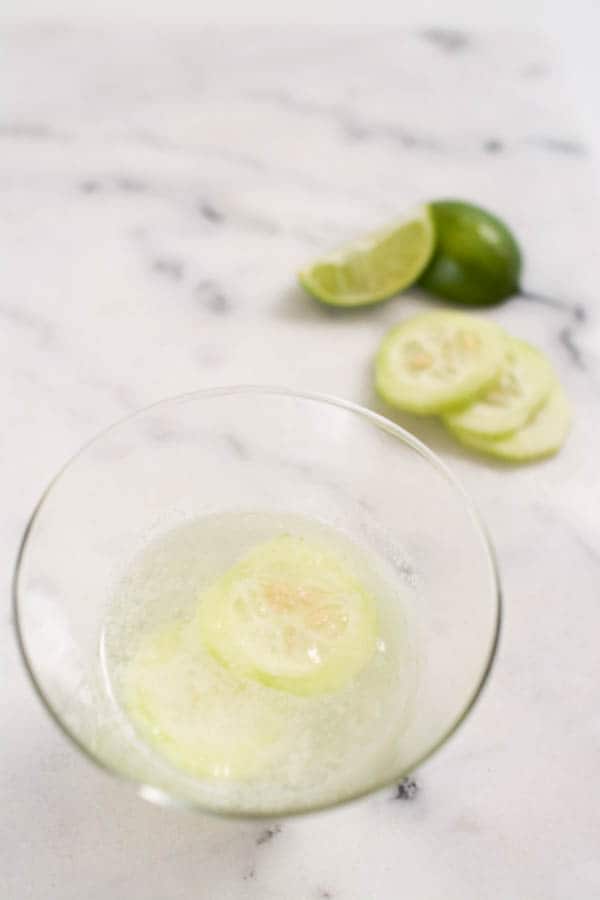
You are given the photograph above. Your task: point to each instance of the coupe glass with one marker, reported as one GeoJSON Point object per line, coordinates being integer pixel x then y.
{"type": "Point", "coordinates": [252, 449]}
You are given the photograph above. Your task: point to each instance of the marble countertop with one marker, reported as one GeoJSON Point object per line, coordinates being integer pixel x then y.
{"type": "Point", "coordinates": [159, 188]}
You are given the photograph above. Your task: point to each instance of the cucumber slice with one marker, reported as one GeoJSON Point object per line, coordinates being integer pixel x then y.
{"type": "Point", "coordinates": [437, 360]}
{"type": "Point", "coordinates": [542, 436]}
{"type": "Point", "coordinates": [292, 616]}
{"type": "Point", "coordinates": [524, 383]}
{"type": "Point", "coordinates": [181, 700]}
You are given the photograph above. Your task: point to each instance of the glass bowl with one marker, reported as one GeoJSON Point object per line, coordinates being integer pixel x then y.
{"type": "Point", "coordinates": [267, 449]}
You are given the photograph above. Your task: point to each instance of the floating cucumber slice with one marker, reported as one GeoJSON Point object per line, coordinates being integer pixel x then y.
{"type": "Point", "coordinates": [181, 701]}
{"type": "Point", "coordinates": [524, 383]}
{"type": "Point", "coordinates": [542, 436]}
{"type": "Point", "coordinates": [437, 360]}
{"type": "Point", "coordinates": [290, 615]}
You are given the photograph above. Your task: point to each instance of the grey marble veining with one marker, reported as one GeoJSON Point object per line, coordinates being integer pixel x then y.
{"type": "Point", "coordinates": [159, 188]}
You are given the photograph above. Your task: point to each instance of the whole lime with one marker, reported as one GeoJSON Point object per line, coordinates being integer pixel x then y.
{"type": "Point", "coordinates": [476, 260]}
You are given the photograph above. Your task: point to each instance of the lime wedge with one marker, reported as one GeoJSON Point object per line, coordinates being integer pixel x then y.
{"type": "Point", "coordinates": [373, 267]}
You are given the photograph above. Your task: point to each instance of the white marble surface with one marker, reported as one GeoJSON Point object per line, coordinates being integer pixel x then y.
{"type": "Point", "coordinates": [158, 190]}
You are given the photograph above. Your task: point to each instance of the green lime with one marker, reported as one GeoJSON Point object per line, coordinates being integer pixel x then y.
{"type": "Point", "coordinates": [476, 259]}
{"type": "Point", "coordinates": [373, 267]}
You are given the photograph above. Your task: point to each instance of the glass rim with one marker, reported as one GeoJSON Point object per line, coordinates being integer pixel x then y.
{"type": "Point", "coordinates": [164, 798]}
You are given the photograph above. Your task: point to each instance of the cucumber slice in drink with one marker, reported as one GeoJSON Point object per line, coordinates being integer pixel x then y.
{"type": "Point", "coordinates": [435, 361]}
{"type": "Point", "coordinates": [182, 700]}
{"type": "Point", "coordinates": [524, 383]}
{"type": "Point", "coordinates": [291, 615]}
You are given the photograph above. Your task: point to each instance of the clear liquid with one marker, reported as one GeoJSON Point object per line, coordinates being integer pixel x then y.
{"type": "Point", "coordinates": [280, 751]}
